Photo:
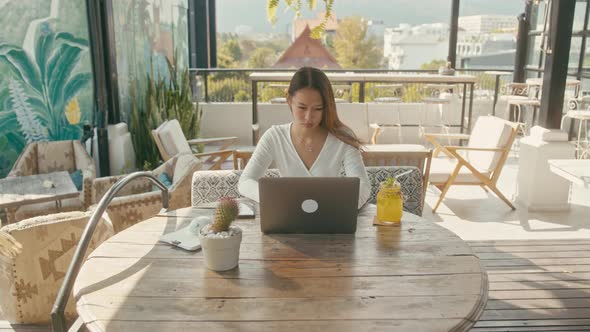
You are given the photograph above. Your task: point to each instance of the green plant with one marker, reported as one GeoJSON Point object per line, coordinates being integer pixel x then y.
{"type": "Point", "coordinates": [226, 213]}
{"type": "Point", "coordinates": [391, 181]}
{"type": "Point", "coordinates": [165, 99]}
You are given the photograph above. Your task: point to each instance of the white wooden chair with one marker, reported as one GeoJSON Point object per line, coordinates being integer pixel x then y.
{"type": "Point", "coordinates": [477, 164]}
{"type": "Point", "coordinates": [171, 141]}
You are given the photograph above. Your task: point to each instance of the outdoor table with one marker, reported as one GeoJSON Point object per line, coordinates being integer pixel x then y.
{"type": "Point", "coordinates": [23, 190]}
{"type": "Point", "coordinates": [576, 171]}
{"type": "Point", "coordinates": [415, 277]}
{"type": "Point", "coordinates": [362, 78]}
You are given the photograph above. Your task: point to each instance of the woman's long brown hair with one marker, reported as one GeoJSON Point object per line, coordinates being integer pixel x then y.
{"type": "Point", "coordinates": [309, 77]}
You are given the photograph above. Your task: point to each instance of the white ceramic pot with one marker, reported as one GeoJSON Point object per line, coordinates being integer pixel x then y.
{"type": "Point", "coordinates": [221, 254]}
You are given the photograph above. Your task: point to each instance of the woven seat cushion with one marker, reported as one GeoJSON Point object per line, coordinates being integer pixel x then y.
{"type": "Point", "coordinates": [30, 281]}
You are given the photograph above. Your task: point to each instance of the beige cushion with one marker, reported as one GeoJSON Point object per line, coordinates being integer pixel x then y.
{"type": "Point", "coordinates": [488, 132]}
{"type": "Point", "coordinates": [172, 138]}
{"type": "Point", "coordinates": [30, 281]}
{"type": "Point", "coordinates": [184, 163]}
{"type": "Point", "coordinates": [441, 169]}
{"type": "Point", "coordinates": [55, 156]}
{"type": "Point", "coordinates": [355, 116]}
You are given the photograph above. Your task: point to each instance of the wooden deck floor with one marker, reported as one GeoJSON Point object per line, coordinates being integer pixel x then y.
{"type": "Point", "coordinates": [535, 285]}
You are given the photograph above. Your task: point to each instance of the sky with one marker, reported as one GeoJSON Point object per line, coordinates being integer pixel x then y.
{"type": "Point", "coordinates": [252, 13]}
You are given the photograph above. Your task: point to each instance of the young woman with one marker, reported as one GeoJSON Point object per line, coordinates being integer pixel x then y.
{"type": "Point", "coordinates": [316, 143]}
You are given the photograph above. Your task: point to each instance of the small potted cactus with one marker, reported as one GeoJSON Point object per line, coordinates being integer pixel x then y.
{"type": "Point", "coordinates": [221, 241]}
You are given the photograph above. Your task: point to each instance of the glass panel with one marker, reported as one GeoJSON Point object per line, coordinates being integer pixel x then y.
{"type": "Point", "coordinates": [574, 58]}
{"type": "Point", "coordinates": [579, 16]}
{"type": "Point", "coordinates": [534, 50]}
{"type": "Point", "coordinates": [538, 15]}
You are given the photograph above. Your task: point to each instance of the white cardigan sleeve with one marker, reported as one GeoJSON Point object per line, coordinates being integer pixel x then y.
{"type": "Point", "coordinates": [354, 167]}
{"type": "Point", "coordinates": [256, 166]}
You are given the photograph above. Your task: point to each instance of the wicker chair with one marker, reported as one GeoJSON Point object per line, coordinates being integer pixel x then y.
{"type": "Point", "coordinates": [139, 201]}
{"type": "Point", "coordinates": [31, 275]}
{"type": "Point", "coordinates": [48, 157]}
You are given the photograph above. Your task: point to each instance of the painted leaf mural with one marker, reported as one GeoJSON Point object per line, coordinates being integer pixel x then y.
{"type": "Point", "coordinates": [29, 125]}
{"type": "Point", "coordinates": [43, 92]}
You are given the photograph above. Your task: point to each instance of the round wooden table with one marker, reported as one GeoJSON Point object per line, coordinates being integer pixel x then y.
{"type": "Point", "coordinates": [416, 277]}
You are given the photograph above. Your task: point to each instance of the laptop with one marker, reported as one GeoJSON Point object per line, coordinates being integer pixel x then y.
{"type": "Point", "coordinates": [309, 204]}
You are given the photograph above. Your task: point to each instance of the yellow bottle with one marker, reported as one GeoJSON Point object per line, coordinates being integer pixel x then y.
{"type": "Point", "coordinates": [390, 202]}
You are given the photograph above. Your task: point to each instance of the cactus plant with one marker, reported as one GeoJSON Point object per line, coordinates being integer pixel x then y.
{"type": "Point", "coordinates": [226, 213]}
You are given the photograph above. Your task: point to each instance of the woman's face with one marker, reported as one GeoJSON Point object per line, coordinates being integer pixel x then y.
{"type": "Point", "coordinates": [307, 107]}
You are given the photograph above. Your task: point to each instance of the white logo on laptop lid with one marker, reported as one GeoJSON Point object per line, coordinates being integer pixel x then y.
{"type": "Point", "coordinates": [309, 206]}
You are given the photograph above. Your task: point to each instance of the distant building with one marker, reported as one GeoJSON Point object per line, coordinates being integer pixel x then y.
{"type": "Point", "coordinates": [306, 51]}
{"type": "Point", "coordinates": [484, 44]}
{"type": "Point", "coordinates": [407, 47]}
{"type": "Point", "coordinates": [376, 28]}
{"type": "Point", "coordinates": [299, 25]}
{"type": "Point", "coordinates": [479, 24]}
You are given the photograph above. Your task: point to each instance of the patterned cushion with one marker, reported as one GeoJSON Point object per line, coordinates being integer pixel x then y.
{"type": "Point", "coordinates": [210, 186]}
{"type": "Point", "coordinates": [411, 185]}
{"type": "Point", "coordinates": [30, 281]}
{"type": "Point", "coordinates": [173, 139]}
{"type": "Point", "coordinates": [55, 156]}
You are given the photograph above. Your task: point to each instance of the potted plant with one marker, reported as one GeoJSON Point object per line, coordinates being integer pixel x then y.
{"type": "Point", "coordinates": [219, 240]}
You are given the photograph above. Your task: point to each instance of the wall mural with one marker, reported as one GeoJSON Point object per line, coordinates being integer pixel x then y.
{"type": "Point", "coordinates": [45, 74]}
{"type": "Point", "coordinates": [147, 33]}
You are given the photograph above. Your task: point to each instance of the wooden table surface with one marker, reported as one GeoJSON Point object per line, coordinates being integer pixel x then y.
{"type": "Point", "coordinates": [16, 191]}
{"type": "Point", "coordinates": [416, 277]}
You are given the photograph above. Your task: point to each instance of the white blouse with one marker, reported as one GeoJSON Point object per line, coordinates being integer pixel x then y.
{"type": "Point", "coordinates": [276, 145]}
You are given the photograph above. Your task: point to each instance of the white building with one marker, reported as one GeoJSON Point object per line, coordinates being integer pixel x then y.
{"type": "Point", "coordinates": [479, 24]}
{"type": "Point", "coordinates": [407, 47]}
{"type": "Point", "coordinates": [483, 44]}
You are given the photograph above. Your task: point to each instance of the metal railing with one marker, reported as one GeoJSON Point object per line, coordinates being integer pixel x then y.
{"type": "Point", "coordinates": [58, 321]}
{"type": "Point", "coordinates": [233, 84]}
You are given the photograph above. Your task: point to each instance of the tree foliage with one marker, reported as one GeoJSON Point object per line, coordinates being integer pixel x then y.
{"type": "Point", "coordinates": [295, 5]}
{"type": "Point", "coordinates": [262, 58]}
{"type": "Point", "coordinates": [433, 65]}
{"type": "Point", "coordinates": [355, 47]}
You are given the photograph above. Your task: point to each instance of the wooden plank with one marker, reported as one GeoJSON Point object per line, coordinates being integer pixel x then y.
{"type": "Point", "coordinates": [538, 294]}
{"type": "Point", "coordinates": [535, 262]}
{"type": "Point", "coordinates": [425, 325]}
{"type": "Point", "coordinates": [540, 276]}
{"type": "Point", "coordinates": [527, 255]}
{"type": "Point", "coordinates": [357, 251]}
{"type": "Point", "coordinates": [533, 323]}
{"type": "Point", "coordinates": [256, 269]}
{"type": "Point", "coordinates": [585, 328]}
{"type": "Point", "coordinates": [6, 326]}
{"type": "Point", "coordinates": [538, 303]}
{"type": "Point", "coordinates": [505, 270]}
{"type": "Point", "coordinates": [524, 243]}
{"type": "Point", "coordinates": [577, 313]}
{"type": "Point", "coordinates": [532, 248]}
{"type": "Point", "coordinates": [535, 285]}
{"type": "Point", "coordinates": [539, 324]}
{"type": "Point", "coordinates": [270, 309]}
{"type": "Point", "coordinates": [273, 287]}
